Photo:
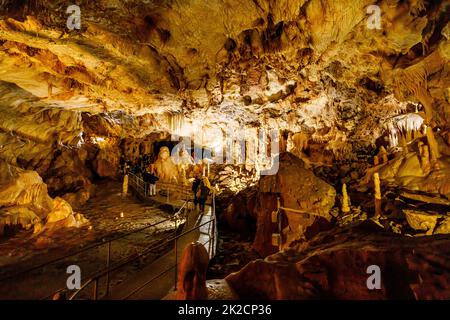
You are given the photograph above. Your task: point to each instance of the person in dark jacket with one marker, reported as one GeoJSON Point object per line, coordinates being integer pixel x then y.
{"type": "Point", "coordinates": [150, 178]}
{"type": "Point", "coordinates": [195, 186]}
{"type": "Point", "coordinates": [203, 191]}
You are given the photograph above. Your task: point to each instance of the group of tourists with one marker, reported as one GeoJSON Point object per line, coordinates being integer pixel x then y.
{"type": "Point", "coordinates": [142, 168]}
{"type": "Point", "coordinates": [137, 166]}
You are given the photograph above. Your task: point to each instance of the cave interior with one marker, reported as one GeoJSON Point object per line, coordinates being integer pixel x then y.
{"type": "Point", "coordinates": [225, 149]}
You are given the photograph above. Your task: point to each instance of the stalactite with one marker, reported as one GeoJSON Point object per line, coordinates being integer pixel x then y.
{"type": "Point", "coordinates": [403, 126]}
{"type": "Point", "coordinates": [414, 80]}
{"type": "Point", "coordinates": [175, 122]}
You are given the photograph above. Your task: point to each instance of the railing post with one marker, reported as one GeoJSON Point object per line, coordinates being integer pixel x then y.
{"type": "Point", "coordinates": [96, 289]}
{"type": "Point", "coordinates": [279, 223]}
{"type": "Point", "coordinates": [214, 204]}
{"type": "Point", "coordinates": [210, 241]}
{"type": "Point", "coordinates": [108, 257]}
{"type": "Point", "coordinates": [214, 237]}
{"type": "Point", "coordinates": [176, 256]}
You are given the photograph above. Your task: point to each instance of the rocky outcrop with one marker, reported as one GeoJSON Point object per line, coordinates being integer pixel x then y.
{"type": "Point", "coordinates": [414, 170]}
{"type": "Point", "coordinates": [297, 188]}
{"type": "Point", "coordinates": [192, 273]}
{"type": "Point", "coordinates": [240, 215]}
{"type": "Point", "coordinates": [106, 163]}
{"type": "Point", "coordinates": [165, 168]}
{"type": "Point", "coordinates": [24, 202]}
{"type": "Point", "coordinates": [334, 265]}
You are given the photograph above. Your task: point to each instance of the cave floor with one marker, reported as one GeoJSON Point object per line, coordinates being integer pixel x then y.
{"type": "Point", "coordinates": [23, 250]}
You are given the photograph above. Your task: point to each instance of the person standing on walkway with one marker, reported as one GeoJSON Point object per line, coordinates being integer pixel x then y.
{"type": "Point", "coordinates": [203, 192]}
{"type": "Point", "coordinates": [195, 186]}
{"type": "Point", "coordinates": [151, 178]}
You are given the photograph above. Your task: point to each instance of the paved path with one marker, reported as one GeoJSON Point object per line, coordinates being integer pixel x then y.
{"type": "Point", "coordinates": [162, 270]}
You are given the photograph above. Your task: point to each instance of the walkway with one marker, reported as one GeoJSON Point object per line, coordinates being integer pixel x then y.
{"type": "Point", "coordinates": [157, 279]}
{"type": "Point", "coordinates": [24, 252]}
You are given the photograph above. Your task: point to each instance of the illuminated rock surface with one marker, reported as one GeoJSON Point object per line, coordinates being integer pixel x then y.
{"type": "Point", "coordinates": [334, 265]}
{"type": "Point", "coordinates": [349, 102]}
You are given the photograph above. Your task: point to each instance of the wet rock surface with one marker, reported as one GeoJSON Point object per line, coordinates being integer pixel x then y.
{"type": "Point", "coordinates": [110, 215]}
{"type": "Point", "coordinates": [334, 264]}
{"type": "Point", "coordinates": [297, 188]}
{"type": "Point", "coordinates": [234, 251]}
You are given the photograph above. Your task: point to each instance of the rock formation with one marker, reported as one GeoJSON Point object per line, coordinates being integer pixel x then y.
{"type": "Point", "coordinates": [24, 202]}
{"type": "Point", "coordinates": [299, 189]}
{"type": "Point", "coordinates": [353, 102]}
{"type": "Point", "coordinates": [165, 168]}
{"type": "Point", "coordinates": [192, 273]}
{"type": "Point", "coordinates": [334, 265]}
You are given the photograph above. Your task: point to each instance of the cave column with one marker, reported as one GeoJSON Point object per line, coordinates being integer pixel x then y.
{"type": "Point", "coordinates": [426, 100]}
{"type": "Point", "coordinates": [377, 188]}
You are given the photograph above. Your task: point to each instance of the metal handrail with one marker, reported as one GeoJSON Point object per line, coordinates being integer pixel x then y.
{"type": "Point", "coordinates": [127, 260]}
{"type": "Point", "coordinates": [120, 265]}
{"type": "Point", "coordinates": [163, 272]}
{"type": "Point", "coordinates": [104, 242]}
{"type": "Point", "coordinates": [139, 183]}
{"type": "Point", "coordinates": [281, 209]}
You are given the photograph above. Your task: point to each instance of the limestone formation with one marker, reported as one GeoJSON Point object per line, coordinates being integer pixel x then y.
{"type": "Point", "coordinates": [24, 202]}
{"type": "Point", "coordinates": [164, 166]}
{"type": "Point", "coordinates": [298, 188]}
{"type": "Point", "coordinates": [192, 273]}
{"type": "Point", "coordinates": [377, 195]}
{"type": "Point", "coordinates": [345, 199]}
{"type": "Point", "coordinates": [303, 272]}
{"type": "Point", "coordinates": [324, 91]}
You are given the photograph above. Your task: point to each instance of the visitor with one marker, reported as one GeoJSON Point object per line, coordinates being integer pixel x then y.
{"type": "Point", "coordinates": [195, 186]}
{"type": "Point", "coordinates": [150, 178]}
{"type": "Point", "coordinates": [136, 168]}
{"type": "Point", "coordinates": [122, 164]}
{"type": "Point", "coordinates": [203, 192]}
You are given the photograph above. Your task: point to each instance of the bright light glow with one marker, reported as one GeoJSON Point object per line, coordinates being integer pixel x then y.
{"type": "Point", "coordinates": [401, 124]}
{"type": "Point", "coordinates": [101, 142]}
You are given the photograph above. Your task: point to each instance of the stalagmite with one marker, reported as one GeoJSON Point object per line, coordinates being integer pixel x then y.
{"type": "Point", "coordinates": [403, 143]}
{"type": "Point", "coordinates": [49, 90]}
{"type": "Point", "coordinates": [425, 158]}
{"type": "Point", "coordinates": [376, 160]}
{"type": "Point", "coordinates": [434, 151]}
{"type": "Point", "coordinates": [125, 186]}
{"type": "Point", "coordinates": [345, 199]}
{"type": "Point", "coordinates": [377, 196]}
{"type": "Point", "coordinates": [384, 154]}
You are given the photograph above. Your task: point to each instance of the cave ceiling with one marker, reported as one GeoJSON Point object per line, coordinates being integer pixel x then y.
{"type": "Point", "coordinates": [285, 64]}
